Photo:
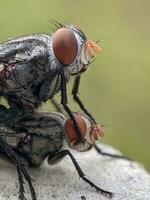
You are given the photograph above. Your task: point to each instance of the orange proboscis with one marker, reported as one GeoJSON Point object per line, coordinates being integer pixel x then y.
{"type": "Point", "coordinates": [90, 51]}
{"type": "Point", "coordinates": [97, 132]}
{"type": "Point", "coordinates": [92, 48]}
{"type": "Point", "coordinates": [95, 47]}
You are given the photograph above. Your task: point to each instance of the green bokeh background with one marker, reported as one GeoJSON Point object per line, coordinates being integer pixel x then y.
{"type": "Point", "coordinates": [116, 88]}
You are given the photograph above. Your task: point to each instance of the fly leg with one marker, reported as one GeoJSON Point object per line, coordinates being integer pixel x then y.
{"type": "Point", "coordinates": [13, 156]}
{"type": "Point", "coordinates": [59, 155]}
{"type": "Point", "coordinates": [4, 115]}
{"type": "Point", "coordinates": [97, 148]}
{"type": "Point", "coordinates": [57, 106]}
{"type": "Point", "coordinates": [66, 107]}
{"type": "Point", "coordinates": [77, 99]}
{"type": "Point", "coordinates": [2, 108]}
{"type": "Point", "coordinates": [9, 116]}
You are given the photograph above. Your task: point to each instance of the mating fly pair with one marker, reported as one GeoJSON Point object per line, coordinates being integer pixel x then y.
{"type": "Point", "coordinates": [33, 69]}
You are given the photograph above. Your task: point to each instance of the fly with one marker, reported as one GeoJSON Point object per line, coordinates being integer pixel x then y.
{"type": "Point", "coordinates": [41, 136]}
{"type": "Point", "coordinates": [34, 68]}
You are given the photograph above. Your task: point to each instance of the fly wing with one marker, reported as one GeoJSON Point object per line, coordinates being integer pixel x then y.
{"type": "Point", "coordinates": [24, 62]}
{"type": "Point", "coordinates": [10, 51]}
{"type": "Point", "coordinates": [23, 50]}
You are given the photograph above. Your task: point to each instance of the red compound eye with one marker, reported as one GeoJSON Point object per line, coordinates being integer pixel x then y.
{"type": "Point", "coordinates": [71, 132]}
{"type": "Point", "coordinates": [64, 45]}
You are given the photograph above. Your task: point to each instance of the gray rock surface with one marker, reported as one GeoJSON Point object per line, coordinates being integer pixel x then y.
{"type": "Point", "coordinates": [128, 180]}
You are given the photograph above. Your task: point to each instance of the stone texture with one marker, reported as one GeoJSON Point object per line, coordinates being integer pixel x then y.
{"type": "Point", "coordinates": [128, 180]}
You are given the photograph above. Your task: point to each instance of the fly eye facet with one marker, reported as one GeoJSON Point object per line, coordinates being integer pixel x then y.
{"type": "Point", "coordinates": [65, 46]}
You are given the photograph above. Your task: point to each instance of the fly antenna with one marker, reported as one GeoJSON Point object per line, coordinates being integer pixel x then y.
{"type": "Point", "coordinates": [56, 23]}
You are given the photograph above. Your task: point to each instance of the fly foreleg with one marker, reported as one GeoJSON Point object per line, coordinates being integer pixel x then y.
{"type": "Point", "coordinates": [99, 151]}
{"type": "Point", "coordinates": [66, 107]}
{"type": "Point", "coordinates": [62, 154]}
{"type": "Point", "coordinates": [76, 98]}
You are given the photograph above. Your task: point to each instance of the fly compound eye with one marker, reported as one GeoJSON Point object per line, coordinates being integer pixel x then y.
{"type": "Point", "coordinates": [71, 133]}
{"type": "Point", "coordinates": [65, 46]}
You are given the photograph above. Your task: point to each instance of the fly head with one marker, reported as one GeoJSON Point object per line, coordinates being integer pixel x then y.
{"type": "Point", "coordinates": [89, 132]}
{"type": "Point", "coordinates": [72, 50]}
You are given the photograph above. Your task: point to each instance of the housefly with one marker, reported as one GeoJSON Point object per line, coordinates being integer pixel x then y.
{"type": "Point", "coordinates": [34, 68]}
{"type": "Point", "coordinates": [47, 135]}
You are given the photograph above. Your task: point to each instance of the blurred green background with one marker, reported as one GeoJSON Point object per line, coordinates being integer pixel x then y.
{"type": "Point", "coordinates": [116, 88]}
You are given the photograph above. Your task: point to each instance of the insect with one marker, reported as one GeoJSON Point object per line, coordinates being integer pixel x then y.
{"type": "Point", "coordinates": [34, 68]}
{"type": "Point", "coordinates": [44, 135]}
